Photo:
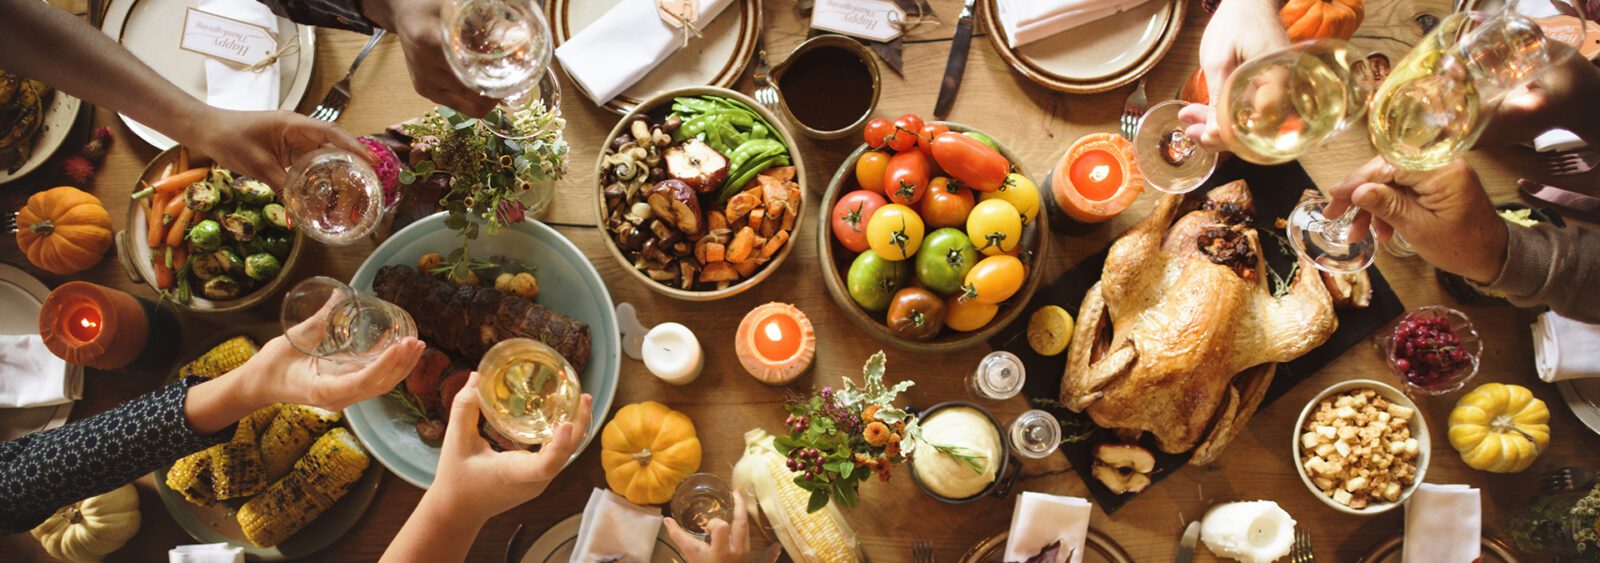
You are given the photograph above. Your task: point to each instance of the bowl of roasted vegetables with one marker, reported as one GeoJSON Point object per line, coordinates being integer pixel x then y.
{"type": "Point", "coordinates": [204, 237]}
{"type": "Point", "coordinates": [702, 191]}
{"type": "Point", "coordinates": [931, 236]}
{"type": "Point", "coordinates": [291, 481]}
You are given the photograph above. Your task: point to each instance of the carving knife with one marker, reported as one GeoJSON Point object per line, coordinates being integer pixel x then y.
{"type": "Point", "coordinates": [957, 65]}
{"type": "Point", "coordinates": [1186, 545]}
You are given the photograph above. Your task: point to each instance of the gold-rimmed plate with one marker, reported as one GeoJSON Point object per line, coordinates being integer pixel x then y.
{"type": "Point", "coordinates": [1100, 56]}
{"type": "Point", "coordinates": [717, 58]}
{"type": "Point", "coordinates": [1391, 550]}
{"type": "Point", "coordinates": [1097, 548]}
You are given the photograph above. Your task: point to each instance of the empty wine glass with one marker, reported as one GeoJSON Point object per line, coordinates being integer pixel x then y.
{"type": "Point", "coordinates": [333, 195]}
{"type": "Point", "coordinates": [339, 327]}
{"type": "Point", "coordinates": [502, 49]}
{"type": "Point", "coordinates": [1332, 244]}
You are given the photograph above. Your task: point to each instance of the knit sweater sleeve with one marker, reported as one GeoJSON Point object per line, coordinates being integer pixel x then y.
{"type": "Point", "coordinates": [44, 471]}
{"type": "Point", "coordinates": [336, 14]}
{"type": "Point", "coordinates": [1552, 267]}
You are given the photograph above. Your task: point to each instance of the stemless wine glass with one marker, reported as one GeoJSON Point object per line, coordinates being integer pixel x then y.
{"type": "Point", "coordinates": [339, 327]}
{"type": "Point", "coordinates": [502, 49]}
{"type": "Point", "coordinates": [527, 390]}
{"type": "Point", "coordinates": [699, 499]}
{"type": "Point", "coordinates": [334, 196]}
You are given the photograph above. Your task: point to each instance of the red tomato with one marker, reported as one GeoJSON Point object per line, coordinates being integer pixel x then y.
{"type": "Point", "coordinates": [906, 178]}
{"type": "Point", "coordinates": [926, 136]}
{"type": "Point", "coordinates": [850, 217]}
{"type": "Point", "coordinates": [877, 131]}
{"type": "Point", "coordinates": [970, 161]}
{"type": "Point", "coordinates": [906, 129]}
{"type": "Point", "coordinates": [946, 204]}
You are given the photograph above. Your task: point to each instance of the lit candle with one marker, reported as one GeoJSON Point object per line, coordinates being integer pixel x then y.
{"type": "Point", "coordinates": [92, 325]}
{"type": "Point", "coordinates": [1252, 532]}
{"type": "Point", "coordinates": [672, 353]}
{"type": "Point", "coordinates": [775, 343]}
{"type": "Point", "coordinates": [1094, 181]}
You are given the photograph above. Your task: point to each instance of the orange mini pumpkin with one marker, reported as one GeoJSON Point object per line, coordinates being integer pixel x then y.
{"type": "Point", "coordinates": [646, 450]}
{"type": "Point", "coordinates": [64, 230]}
{"type": "Point", "coordinates": [1321, 19]}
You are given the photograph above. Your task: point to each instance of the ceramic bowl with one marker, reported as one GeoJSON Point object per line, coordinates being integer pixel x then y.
{"type": "Point", "coordinates": [1419, 431]}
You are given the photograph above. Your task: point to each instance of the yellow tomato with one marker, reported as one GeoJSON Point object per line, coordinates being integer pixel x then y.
{"type": "Point", "coordinates": [895, 232]}
{"type": "Point", "coordinates": [994, 279]}
{"type": "Point", "coordinates": [995, 227]}
{"type": "Point", "coordinates": [966, 316]}
{"type": "Point", "coordinates": [1022, 194]}
{"type": "Point", "coordinates": [869, 170]}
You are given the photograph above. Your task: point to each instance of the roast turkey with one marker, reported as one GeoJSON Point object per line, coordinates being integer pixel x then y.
{"type": "Point", "coordinates": [1181, 335]}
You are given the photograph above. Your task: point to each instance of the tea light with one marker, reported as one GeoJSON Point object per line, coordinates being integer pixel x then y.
{"type": "Point", "coordinates": [1252, 532]}
{"type": "Point", "coordinates": [775, 343]}
{"type": "Point", "coordinates": [672, 353]}
{"type": "Point", "coordinates": [94, 326]}
{"type": "Point", "coordinates": [1094, 181]}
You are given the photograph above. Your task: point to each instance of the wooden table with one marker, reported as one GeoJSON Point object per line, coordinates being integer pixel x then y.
{"type": "Point", "coordinates": [1037, 124]}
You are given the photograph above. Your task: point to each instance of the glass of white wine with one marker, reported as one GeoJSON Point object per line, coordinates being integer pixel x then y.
{"type": "Point", "coordinates": [527, 390]}
{"type": "Point", "coordinates": [334, 196]}
{"type": "Point", "coordinates": [341, 328]}
{"type": "Point", "coordinates": [502, 49]}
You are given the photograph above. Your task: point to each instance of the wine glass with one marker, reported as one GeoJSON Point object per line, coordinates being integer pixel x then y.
{"type": "Point", "coordinates": [527, 390]}
{"type": "Point", "coordinates": [339, 327]}
{"type": "Point", "coordinates": [699, 499]}
{"type": "Point", "coordinates": [502, 49]}
{"type": "Point", "coordinates": [334, 196]}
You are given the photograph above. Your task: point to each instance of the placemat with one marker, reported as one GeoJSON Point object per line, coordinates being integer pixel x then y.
{"type": "Point", "coordinates": [1276, 190]}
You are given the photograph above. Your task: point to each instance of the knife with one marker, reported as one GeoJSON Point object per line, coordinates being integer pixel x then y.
{"type": "Point", "coordinates": [1186, 545]}
{"type": "Point", "coordinates": [957, 64]}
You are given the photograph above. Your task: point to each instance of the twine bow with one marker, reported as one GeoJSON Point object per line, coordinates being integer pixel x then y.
{"type": "Point", "coordinates": [290, 47]}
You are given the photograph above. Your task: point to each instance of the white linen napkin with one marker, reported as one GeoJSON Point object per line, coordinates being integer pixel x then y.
{"type": "Point", "coordinates": [624, 45]}
{"type": "Point", "coordinates": [1039, 520]}
{"type": "Point", "coordinates": [1026, 21]}
{"type": "Point", "coordinates": [227, 85]}
{"type": "Point", "coordinates": [1564, 348]}
{"type": "Point", "coordinates": [1443, 524]}
{"type": "Point", "coordinates": [206, 553]}
{"type": "Point", "coordinates": [31, 376]}
{"type": "Point", "coordinates": [614, 528]}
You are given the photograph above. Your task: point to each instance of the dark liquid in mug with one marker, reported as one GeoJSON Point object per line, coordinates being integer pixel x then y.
{"type": "Point", "coordinates": [827, 88]}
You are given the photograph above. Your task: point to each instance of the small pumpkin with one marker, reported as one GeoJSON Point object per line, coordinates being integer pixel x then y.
{"type": "Point", "coordinates": [1499, 428]}
{"type": "Point", "coordinates": [1195, 90]}
{"type": "Point", "coordinates": [1305, 20]}
{"type": "Point", "coordinates": [646, 450]}
{"type": "Point", "coordinates": [92, 528]}
{"type": "Point", "coordinates": [64, 230]}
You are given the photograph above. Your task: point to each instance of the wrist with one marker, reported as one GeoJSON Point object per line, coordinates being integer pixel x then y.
{"type": "Point", "coordinates": [1493, 260]}
{"type": "Point", "coordinates": [449, 510]}
{"type": "Point", "coordinates": [216, 404]}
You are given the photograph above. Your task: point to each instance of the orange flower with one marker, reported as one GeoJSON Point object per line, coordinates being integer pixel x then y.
{"type": "Point", "coordinates": [861, 460]}
{"type": "Point", "coordinates": [869, 414]}
{"type": "Point", "coordinates": [893, 449]}
{"type": "Point", "coordinates": [877, 434]}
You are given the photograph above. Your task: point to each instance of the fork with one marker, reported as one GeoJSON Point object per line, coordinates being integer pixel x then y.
{"type": "Point", "coordinates": [922, 552]}
{"type": "Point", "coordinates": [1576, 161]}
{"type": "Point", "coordinates": [9, 224]}
{"type": "Point", "coordinates": [766, 94]}
{"type": "Point", "coordinates": [338, 97]}
{"type": "Point", "coordinates": [1301, 551]}
{"type": "Point", "coordinates": [1133, 110]}
{"type": "Point", "coordinates": [1567, 479]}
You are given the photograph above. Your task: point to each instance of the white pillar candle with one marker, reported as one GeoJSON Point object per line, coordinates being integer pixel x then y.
{"type": "Point", "coordinates": [672, 353]}
{"type": "Point", "coordinates": [1253, 532]}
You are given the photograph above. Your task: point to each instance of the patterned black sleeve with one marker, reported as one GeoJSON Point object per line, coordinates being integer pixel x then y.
{"type": "Point", "coordinates": [337, 14]}
{"type": "Point", "coordinates": [44, 471]}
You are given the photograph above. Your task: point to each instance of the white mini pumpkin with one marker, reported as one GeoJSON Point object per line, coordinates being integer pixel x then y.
{"type": "Point", "coordinates": [92, 528]}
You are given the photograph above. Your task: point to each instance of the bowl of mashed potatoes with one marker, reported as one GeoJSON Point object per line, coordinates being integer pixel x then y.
{"type": "Point", "coordinates": [963, 456]}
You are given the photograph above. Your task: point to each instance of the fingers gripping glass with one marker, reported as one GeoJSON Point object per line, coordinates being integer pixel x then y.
{"type": "Point", "coordinates": [501, 48]}
{"type": "Point", "coordinates": [341, 329]}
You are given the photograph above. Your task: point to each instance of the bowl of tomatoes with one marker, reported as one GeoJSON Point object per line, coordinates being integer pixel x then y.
{"type": "Point", "coordinates": [930, 235]}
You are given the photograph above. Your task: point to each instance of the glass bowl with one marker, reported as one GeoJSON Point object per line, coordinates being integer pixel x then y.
{"type": "Point", "coordinates": [1469, 346]}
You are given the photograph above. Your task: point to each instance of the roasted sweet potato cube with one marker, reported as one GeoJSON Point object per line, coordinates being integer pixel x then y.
{"type": "Point", "coordinates": [715, 252]}
{"type": "Point", "coordinates": [774, 193]}
{"type": "Point", "coordinates": [768, 228]}
{"type": "Point", "coordinates": [788, 219]}
{"type": "Point", "coordinates": [741, 205]}
{"type": "Point", "coordinates": [718, 272]}
{"type": "Point", "coordinates": [716, 220]}
{"type": "Point", "coordinates": [743, 244]}
{"type": "Point", "coordinates": [782, 173]}
{"type": "Point", "coordinates": [758, 216]}
{"type": "Point", "coordinates": [773, 245]}
{"type": "Point", "coordinates": [747, 268]}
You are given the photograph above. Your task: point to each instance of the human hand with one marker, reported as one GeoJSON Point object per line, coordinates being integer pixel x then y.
{"type": "Point", "coordinates": [476, 482]}
{"type": "Point", "coordinates": [280, 373]}
{"type": "Point", "coordinates": [418, 24]}
{"type": "Point", "coordinates": [728, 544]}
{"type": "Point", "coordinates": [262, 144]}
{"type": "Point", "coordinates": [1444, 214]}
{"type": "Point", "coordinates": [1239, 31]}
{"type": "Point", "coordinates": [1558, 99]}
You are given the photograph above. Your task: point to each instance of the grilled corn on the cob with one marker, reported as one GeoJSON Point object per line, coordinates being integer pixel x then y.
{"type": "Point", "coordinates": [290, 435]}
{"type": "Point", "coordinates": [318, 480]}
{"type": "Point", "coordinates": [230, 354]}
{"type": "Point", "coordinates": [809, 537]}
{"type": "Point", "coordinates": [191, 476]}
{"type": "Point", "coordinates": [236, 469]}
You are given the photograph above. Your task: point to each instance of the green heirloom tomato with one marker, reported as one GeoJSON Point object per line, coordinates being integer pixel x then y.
{"type": "Point", "coordinates": [873, 281]}
{"type": "Point", "coordinates": [944, 260]}
{"type": "Point", "coordinates": [982, 138]}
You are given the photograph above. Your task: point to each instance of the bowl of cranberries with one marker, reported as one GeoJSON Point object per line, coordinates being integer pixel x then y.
{"type": "Point", "coordinates": [1434, 349]}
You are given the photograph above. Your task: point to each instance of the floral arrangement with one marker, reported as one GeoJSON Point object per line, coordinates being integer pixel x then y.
{"type": "Point", "coordinates": [486, 173]}
{"type": "Point", "coordinates": [841, 437]}
{"type": "Point", "coordinates": [1561, 526]}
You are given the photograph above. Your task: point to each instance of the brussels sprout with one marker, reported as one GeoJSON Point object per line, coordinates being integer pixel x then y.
{"type": "Point", "coordinates": [243, 224]}
{"type": "Point", "coordinates": [278, 245]}
{"type": "Point", "coordinates": [220, 287]}
{"type": "Point", "coordinates": [251, 192]}
{"type": "Point", "coordinates": [276, 215]}
{"type": "Point", "coordinates": [261, 266]}
{"type": "Point", "coordinates": [206, 235]}
{"type": "Point", "coordinates": [201, 197]}
{"type": "Point", "coordinates": [207, 266]}
{"type": "Point", "coordinates": [230, 260]}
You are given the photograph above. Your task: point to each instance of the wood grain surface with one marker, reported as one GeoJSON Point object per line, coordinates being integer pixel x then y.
{"type": "Point", "coordinates": [1037, 124]}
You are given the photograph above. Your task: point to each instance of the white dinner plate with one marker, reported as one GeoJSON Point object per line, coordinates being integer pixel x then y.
{"type": "Point", "coordinates": [21, 296]}
{"type": "Point", "coordinates": [150, 29]}
{"type": "Point", "coordinates": [1096, 57]}
{"type": "Point", "coordinates": [557, 543]}
{"type": "Point", "coordinates": [1583, 397]}
{"type": "Point", "coordinates": [58, 119]}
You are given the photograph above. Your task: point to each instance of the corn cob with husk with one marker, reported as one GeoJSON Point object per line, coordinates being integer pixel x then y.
{"type": "Point", "coordinates": [808, 537]}
{"type": "Point", "coordinates": [290, 435]}
{"type": "Point", "coordinates": [231, 353]}
{"type": "Point", "coordinates": [236, 469]}
{"type": "Point", "coordinates": [318, 480]}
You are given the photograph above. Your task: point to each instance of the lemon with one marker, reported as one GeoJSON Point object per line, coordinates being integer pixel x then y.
{"type": "Point", "coordinates": [1049, 330]}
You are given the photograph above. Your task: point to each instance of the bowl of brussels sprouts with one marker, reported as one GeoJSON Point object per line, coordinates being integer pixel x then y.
{"type": "Point", "coordinates": [205, 238]}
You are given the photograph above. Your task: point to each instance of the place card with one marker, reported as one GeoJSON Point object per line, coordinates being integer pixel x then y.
{"type": "Point", "coordinates": [873, 20]}
{"type": "Point", "coordinates": [226, 38]}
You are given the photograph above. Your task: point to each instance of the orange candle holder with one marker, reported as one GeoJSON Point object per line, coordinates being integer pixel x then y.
{"type": "Point", "coordinates": [1095, 179]}
{"type": "Point", "coordinates": [775, 343]}
{"type": "Point", "coordinates": [94, 326]}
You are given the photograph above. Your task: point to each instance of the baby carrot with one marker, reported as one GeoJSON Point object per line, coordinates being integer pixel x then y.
{"type": "Point", "coordinates": [177, 182]}
{"type": "Point", "coordinates": [179, 227]}
{"type": "Point", "coordinates": [164, 276]}
{"type": "Point", "coordinates": [173, 209]}
{"type": "Point", "coordinates": [153, 220]}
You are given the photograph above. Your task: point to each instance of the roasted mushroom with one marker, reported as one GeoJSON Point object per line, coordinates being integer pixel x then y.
{"type": "Point", "coordinates": [676, 202]}
{"type": "Point", "coordinates": [697, 164]}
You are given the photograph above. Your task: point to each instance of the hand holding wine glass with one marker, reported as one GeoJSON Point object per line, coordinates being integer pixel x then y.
{"type": "Point", "coordinates": [279, 373]}
{"type": "Point", "coordinates": [1240, 30]}
{"type": "Point", "coordinates": [728, 543]}
{"type": "Point", "coordinates": [1444, 214]}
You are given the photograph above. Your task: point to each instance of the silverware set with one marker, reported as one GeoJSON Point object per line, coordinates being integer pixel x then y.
{"type": "Point", "coordinates": [1133, 110]}
{"type": "Point", "coordinates": [1567, 479]}
{"type": "Point", "coordinates": [9, 223]}
{"type": "Point", "coordinates": [922, 551]}
{"type": "Point", "coordinates": [1300, 552]}
{"type": "Point", "coordinates": [1572, 162]}
{"type": "Point", "coordinates": [338, 98]}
